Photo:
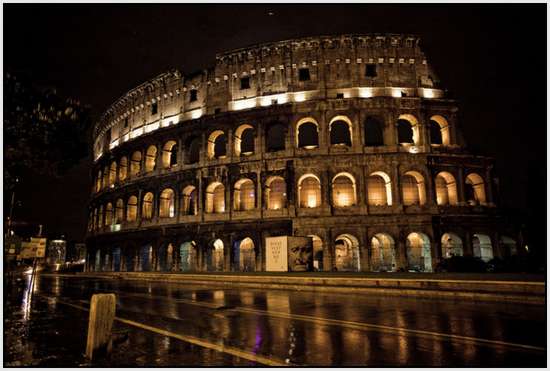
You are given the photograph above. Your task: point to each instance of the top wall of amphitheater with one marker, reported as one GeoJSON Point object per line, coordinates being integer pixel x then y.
{"type": "Point", "coordinates": [345, 66]}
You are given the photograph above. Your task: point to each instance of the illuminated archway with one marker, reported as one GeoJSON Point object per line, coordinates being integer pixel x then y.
{"type": "Point", "coordinates": [414, 188]}
{"type": "Point", "coordinates": [344, 190]}
{"type": "Point", "coordinates": [407, 129]}
{"type": "Point", "coordinates": [309, 191]}
{"type": "Point", "coordinates": [347, 253]}
{"type": "Point", "coordinates": [112, 173]}
{"type": "Point", "coordinates": [451, 245]}
{"type": "Point", "coordinates": [246, 255]}
{"type": "Point", "coordinates": [147, 206]}
{"type": "Point", "coordinates": [119, 211]}
{"type": "Point", "coordinates": [244, 195]}
{"type": "Point", "coordinates": [379, 189]}
{"type": "Point", "coordinates": [217, 256]}
{"type": "Point", "coordinates": [275, 190]}
{"type": "Point", "coordinates": [189, 202]}
{"type": "Point", "coordinates": [123, 169]}
{"type": "Point", "coordinates": [108, 214]}
{"type": "Point", "coordinates": [131, 209]}
{"type": "Point", "coordinates": [188, 256]}
{"type": "Point", "coordinates": [244, 140]}
{"type": "Point", "coordinates": [150, 159]}
{"type": "Point", "coordinates": [475, 189]}
{"type": "Point", "coordinates": [307, 133]}
{"type": "Point", "coordinates": [167, 204]}
{"type": "Point", "coordinates": [169, 154]}
{"type": "Point", "coordinates": [383, 256]}
{"type": "Point", "coordinates": [135, 163]}
{"type": "Point", "coordinates": [445, 189]}
{"type": "Point", "coordinates": [439, 130]}
{"type": "Point", "coordinates": [340, 128]}
{"type": "Point", "coordinates": [215, 198]}
{"type": "Point", "coordinates": [419, 255]}
{"type": "Point", "coordinates": [483, 248]}
{"type": "Point", "coordinates": [217, 145]}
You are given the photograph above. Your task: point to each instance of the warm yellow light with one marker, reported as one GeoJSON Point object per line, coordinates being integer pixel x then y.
{"type": "Point", "coordinates": [311, 200]}
{"type": "Point", "coordinates": [243, 104]}
{"type": "Point", "coordinates": [195, 114]}
{"type": "Point", "coordinates": [299, 96]}
{"type": "Point", "coordinates": [365, 92]}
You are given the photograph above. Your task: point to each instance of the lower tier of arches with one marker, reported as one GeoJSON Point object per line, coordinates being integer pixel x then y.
{"type": "Point", "coordinates": [340, 246]}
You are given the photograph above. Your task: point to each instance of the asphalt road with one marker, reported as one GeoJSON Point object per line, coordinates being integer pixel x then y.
{"type": "Point", "coordinates": [165, 324]}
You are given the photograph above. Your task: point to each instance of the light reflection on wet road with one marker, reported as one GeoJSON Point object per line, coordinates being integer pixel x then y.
{"type": "Point", "coordinates": [302, 328]}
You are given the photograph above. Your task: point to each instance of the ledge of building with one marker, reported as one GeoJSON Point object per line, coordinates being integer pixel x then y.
{"type": "Point", "coordinates": [517, 288]}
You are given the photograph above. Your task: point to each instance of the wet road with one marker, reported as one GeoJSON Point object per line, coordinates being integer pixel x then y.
{"type": "Point", "coordinates": [180, 325]}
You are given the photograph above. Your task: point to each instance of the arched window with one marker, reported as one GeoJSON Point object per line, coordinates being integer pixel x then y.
{"type": "Point", "coordinates": [439, 130]}
{"type": "Point", "coordinates": [106, 177]}
{"type": "Point", "coordinates": [188, 254]}
{"type": "Point", "coordinates": [150, 159]}
{"type": "Point", "coordinates": [317, 252]}
{"type": "Point", "coordinates": [167, 204]}
{"type": "Point", "coordinates": [244, 140]}
{"type": "Point", "coordinates": [247, 255]}
{"type": "Point", "coordinates": [414, 191]}
{"type": "Point", "coordinates": [445, 189]}
{"type": "Point", "coordinates": [98, 181]}
{"type": "Point", "coordinates": [374, 132]}
{"type": "Point", "coordinates": [112, 173]}
{"type": "Point", "coordinates": [189, 204]}
{"type": "Point", "coordinates": [451, 245]}
{"type": "Point", "coordinates": [215, 198]}
{"type": "Point", "coordinates": [419, 255]}
{"type": "Point", "coordinates": [123, 169]}
{"type": "Point", "coordinates": [95, 220]}
{"type": "Point", "coordinates": [475, 190]}
{"type": "Point", "coordinates": [383, 257]}
{"type": "Point", "coordinates": [407, 129]}
{"type": "Point", "coordinates": [275, 193]}
{"type": "Point", "coordinates": [482, 247]}
{"type": "Point", "coordinates": [340, 131]}
{"type": "Point", "coordinates": [346, 249]}
{"type": "Point", "coordinates": [307, 133]}
{"type": "Point", "coordinates": [217, 258]}
{"type": "Point", "coordinates": [101, 217]}
{"type": "Point", "coordinates": [309, 191]}
{"type": "Point", "coordinates": [379, 189]}
{"type": "Point", "coordinates": [135, 163]}
{"type": "Point", "coordinates": [169, 154]}
{"type": "Point", "coordinates": [244, 195]}
{"type": "Point", "coordinates": [193, 148]}
{"type": "Point", "coordinates": [217, 145]}
{"type": "Point", "coordinates": [147, 206]}
{"type": "Point", "coordinates": [275, 137]}
{"type": "Point", "coordinates": [119, 211]}
{"type": "Point", "coordinates": [108, 214]}
{"type": "Point", "coordinates": [131, 209]}
{"type": "Point", "coordinates": [343, 190]}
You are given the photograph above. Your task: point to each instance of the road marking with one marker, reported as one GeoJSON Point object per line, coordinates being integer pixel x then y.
{"type": "Point", "coordinates": [342, 323]}
{"type": "Point", "coordinates": [193, 340]}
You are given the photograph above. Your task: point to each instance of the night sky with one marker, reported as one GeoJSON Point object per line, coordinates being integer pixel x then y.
{"type": "Point", "coordinates": [492, 58]}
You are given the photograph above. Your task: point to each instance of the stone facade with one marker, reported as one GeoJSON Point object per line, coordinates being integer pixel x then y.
{"type": "Point", "coordinates": [348, 139]}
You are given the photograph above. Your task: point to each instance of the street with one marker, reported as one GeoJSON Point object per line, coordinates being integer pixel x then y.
{"type": "Point", "coordinates": [168, 324]}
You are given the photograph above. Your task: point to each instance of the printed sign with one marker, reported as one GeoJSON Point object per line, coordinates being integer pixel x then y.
{"type": "Point", "coordinates": [276, 258]}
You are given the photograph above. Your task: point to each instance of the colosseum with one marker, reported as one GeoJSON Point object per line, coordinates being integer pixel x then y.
{"type": "Point", "coordinates": [348, 140]}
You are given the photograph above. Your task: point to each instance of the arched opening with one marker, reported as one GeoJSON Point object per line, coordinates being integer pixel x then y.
{"type": "Point", "coordinates": [101, 217]}
{"type": "Point", "coordinates": [475, 190]}
{"type": "Point", "coordinates": [147, 206]}
{"type": "Point", "coordinates": [217, 256]}
{"type": "Point", "coordinates": [119, 211]}
{"type": "Point", "coordinates": [167, 204]}
{"type": "Point", "coordinates": [307, 133]}
{"type": "Point", "coordinates": [116, 259]}
{"type": "Point", "coordinates": [309, 191]}
{"type": "Point", "coordinates": [123, 169]}
{"type": "Point", "coordinates": [244, 195]}
{"type": "Point", "coordinates": [275, 137]}
{"type": "Point", "coordinates": [347, 253]}
{"type": "Point", "coordinates": [165, 258]}
{"type": "Point", "coordinates": [112, 173]}
{"type": "Point", "coordinates": [190, 201]}
{"type": "Point", "coordinates": [317, 253]}
{"type": "Point", "coordinates": [135, 163]}
{"type": "Point", "coordinates": [419, 254]}
{"type": "Point", "coordinates": [383, 257]}
{"type": "Point", "coordinates": [145, 257]}
{"type": "Point", "coordinates": [215, 198]}
{"type": "Point", "coordinates": [414, 189]}
{"type": "Point", "coordinates": [343, 190]}
{"type": "Point", "coordinates": [340, 128]}
{"type": "Point", "coordinates": [95, 220]}
{"type": "Point", "coordinates": [275, 190]}
{"type": "Point", "coordinates": [106, 177]}
{"type": "Point", "coordinates": [129, 259]}
{"type": "Point", "coordinates": [131, 209]}
{"type": "Point", "coordinates": [193, 149]}
{"type": "Point", "coordinates": [244, 140]}
{"type": "Point", "coordinates": [108, 214]}
{"type": "Point", "coordinates": [451, 245]}
{"type": "Point", "coordinates": [439, 130]}
{"type": "Point", "coordinates": [245, 255]}
{"type": "Point", "coordinates": [169, 154]}
{"type": "Point", "coordinates": [217, 145]}
{"type": "Point", "coordinates": [374, 132]}
{"type": "Point", "coordinates": [445, 189]}
{"type": "Point", "coordinates": [508, 245]}
{"type": "Point", "coordinates": [483, 248]}
{"type": "Point", "coordinates": [407, 129]}
{"type": "Point", "coordinates": [188, 253]}
{"type": "Point", "coordinates": [97, 263]}
{"type": "Point", "coordinates": [150, 159]}
{"type": "Point", "coordinates": [98, 181]}
{"type": "Point", "coordinates": [379, 189]}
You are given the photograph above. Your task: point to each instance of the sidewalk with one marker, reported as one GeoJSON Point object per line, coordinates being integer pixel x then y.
{"type": "Point", "coordinates": [517, 288]}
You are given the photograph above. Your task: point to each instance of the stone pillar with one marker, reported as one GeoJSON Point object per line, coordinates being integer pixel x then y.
{"type": "Point", "coordinates": [401, 258]}
{"type": "Point", "coordinates": [467, 244]}
{"type": "Point", "coordinates": [489, 186]}
{"type": "Point", "coordinates": [396, 184]}
{"type": "Point", "coordinates": [460, 186]}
